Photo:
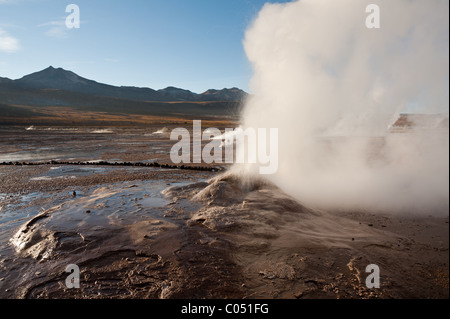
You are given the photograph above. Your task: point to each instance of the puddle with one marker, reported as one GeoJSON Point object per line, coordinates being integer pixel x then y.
{"type": "Point", "coordinates": [102, 131]}
{"type": "Point", "coordinates": [75, 171]}
{"type": "Point", "coordinates": [27, 156]}
{"type": "Point", "coordinates": [154, 202]}
{"type": "Point", "coordinates": [69, 172]}
{"type": "Point", "coordinates": [48, 178]}
{"type": "Point", "coordinates": [66, 143]}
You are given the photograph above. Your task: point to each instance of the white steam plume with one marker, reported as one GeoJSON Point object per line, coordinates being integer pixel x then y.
{"type": "Point", "coordinates": [334, 88]}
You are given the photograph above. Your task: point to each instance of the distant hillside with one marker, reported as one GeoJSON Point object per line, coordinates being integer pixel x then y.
{"type": "Point", "coordinates": [51, 78]}
{"type": "Point", "coordinates": [45, 95]}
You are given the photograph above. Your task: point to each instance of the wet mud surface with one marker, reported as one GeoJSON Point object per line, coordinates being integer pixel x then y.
{"type": "Point", "coordinates": [215, 238]}
{"type": "Point", "coordinates": [140, 232]}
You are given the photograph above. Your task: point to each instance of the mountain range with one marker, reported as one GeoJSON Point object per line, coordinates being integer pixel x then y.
{"type": "Point", "coordinates": [60, 79]}
{"type": "Point", "coordinates": [39, 93]}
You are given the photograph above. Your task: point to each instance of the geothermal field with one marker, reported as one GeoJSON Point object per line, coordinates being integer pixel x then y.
{"type": "Point", "coordinates": [155, 232]}
{"type": "Point", "coordinates": [329, 179]}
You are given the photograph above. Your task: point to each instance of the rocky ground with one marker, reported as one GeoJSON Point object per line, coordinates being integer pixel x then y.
{"type": "Point", "coordinates": [215, 238]}
{"type": "Point", "coordinates": [146, 232]}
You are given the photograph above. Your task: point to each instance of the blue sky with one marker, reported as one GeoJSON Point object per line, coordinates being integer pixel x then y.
{"type": "Point", "coordinates": [192, 44]}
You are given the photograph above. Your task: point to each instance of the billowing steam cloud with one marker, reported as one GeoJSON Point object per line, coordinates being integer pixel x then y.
{"type": "Point", "coordinates": [334, 88]}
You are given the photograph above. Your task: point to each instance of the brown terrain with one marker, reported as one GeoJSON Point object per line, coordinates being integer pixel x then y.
{"type": "Point", "coordinates": [155, 232]}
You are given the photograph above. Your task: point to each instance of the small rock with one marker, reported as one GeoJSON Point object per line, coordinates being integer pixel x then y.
{"type": "Point", "coordinates": [74, 194]}
{"type": "Point", "coordinates": [298, 295]}
{"type": "Point", "coordinates": [1, 279]}
{"type": "Point", "coordinates": [140, 253]}
{"type": "Point", "coordinates": [243, 285]}
{"type": "Point", "coordinates": [88, 212]}
{"type": "Point", "coordinates": [370, 225]}
{"type": "Point", "coordinates": [353, 239]}
{"type": "Point", "coordinates": [37, 273]}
